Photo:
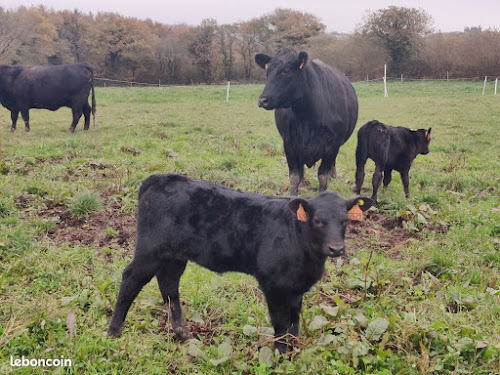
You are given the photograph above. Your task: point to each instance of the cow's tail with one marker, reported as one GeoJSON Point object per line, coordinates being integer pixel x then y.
{"type": "Point", "coordinates": [362, 147]}
{"type": "Point", "coordinates": [93, 99]}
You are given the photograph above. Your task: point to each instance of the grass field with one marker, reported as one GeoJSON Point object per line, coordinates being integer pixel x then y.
{"type": "Point", "coordinates": [419, 292]}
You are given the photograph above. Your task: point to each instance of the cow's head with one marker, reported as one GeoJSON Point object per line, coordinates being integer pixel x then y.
{"type": "Point", "coordinates": [284, 78]}
{"type": "Point", "coordinates": [424, 139]}
{"type": "Point", "coordinates": [326, 218]}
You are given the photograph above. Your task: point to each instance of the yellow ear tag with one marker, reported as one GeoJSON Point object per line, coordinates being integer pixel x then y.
{"type": "Point", "coordinates": [355, 213]}
{"type": "Point", "coordinates": [361, 202]}
{"type": "Point", "coordinates": [301, 65]}
{"type": "Point", "coordinates": [301, 214]}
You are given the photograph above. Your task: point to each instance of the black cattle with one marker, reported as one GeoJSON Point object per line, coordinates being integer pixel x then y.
{"type": "Point", "coordinates": [391, 148]}
{"type": "Point", "coordinates": [281, 241]}
{"type": "Point", "coordinates": [316, 109]}
{"type": "Point", "coordinates": [47, 87]}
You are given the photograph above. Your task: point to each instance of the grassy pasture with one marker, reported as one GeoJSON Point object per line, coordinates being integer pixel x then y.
{"type": "Point", "coordinates": [419, 292]}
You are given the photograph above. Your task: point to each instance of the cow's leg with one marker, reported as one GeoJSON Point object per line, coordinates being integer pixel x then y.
{"type": "Point", "coordinates": [295, 308]}
{"type": "Point", "coordinates": [26, 117]}
{"type": "Point", "coordinates": [387, 176]}
{"type": "Point", "coordinates": [77, 113]}
{"type": "Point", "coordinates": [405, 178]}
{"type": "Point", "coordinates": [327, 169]}
{"type": "Point", "coordinates": [376, 181]}
{"type": "Point", "coordinates": [360, 174]}
{"type": "Point", "coordinates": [14, 116]}
{"type": "Point", "coordinates": [168, 277]}
{"type": "Point", "coordinates": [86, 114]}
{"type": "Point", "coordinates": [281, 318]}
{"type": "Point", "coordinates": [295, 170]}
{"type": "Point", "coordinates": [296, 176]}
{"type": "Point", "coordinates": [135, 276]}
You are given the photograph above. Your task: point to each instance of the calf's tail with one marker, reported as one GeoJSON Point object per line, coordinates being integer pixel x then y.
{"type": "Point", "coordinates": [93, 100]}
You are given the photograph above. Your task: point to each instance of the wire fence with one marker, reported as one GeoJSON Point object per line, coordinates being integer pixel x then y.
{"type": "Point", "coordinates": [106, 82]}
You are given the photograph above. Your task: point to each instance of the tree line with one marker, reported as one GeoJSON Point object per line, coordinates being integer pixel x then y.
{"type": "Point", "coordinates": [130, 49]}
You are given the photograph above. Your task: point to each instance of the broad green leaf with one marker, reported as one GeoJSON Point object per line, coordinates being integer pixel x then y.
{"type": "Point", "coordinates": [249, 330]}
{"type": "Point", "coordinates": [266, 355]}
{"type": "Point", "coordinates": [376, 329]}
{"type": "Point", "coordinates": [332, 311]}
{"type": "Point", "coordinates": [225, 349]}
{"type": "Point", "coordinates": [194, 351]}
{"type": "Point", "coordinates": [317, 322]}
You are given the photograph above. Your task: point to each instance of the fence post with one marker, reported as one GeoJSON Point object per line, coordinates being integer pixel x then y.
{"type": "Point", "coordinates": [484, 86]}
{"type": "Point", "coordinates": [159, 83]}
{"type": "Point", "coordinates": [227, 91]}
{"type": "Point", "coordinates": [385, 81]}
{"type": "Point", "coordinates": [447, 76]}
{"type": "Point", "coordinates": [496, 84]}
{"type": "Point", "coordinates": [401, 78]}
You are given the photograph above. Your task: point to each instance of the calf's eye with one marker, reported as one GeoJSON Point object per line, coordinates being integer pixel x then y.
{"type": "Point", "coordinates": [317, 222]}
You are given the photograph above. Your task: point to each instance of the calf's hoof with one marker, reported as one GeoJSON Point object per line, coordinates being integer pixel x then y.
{"type": "Point", "coordinates": [27, 130]}
{"type": "Point", "coordinates": [182, 334]}
{"type": "Point", "coordinates": [72, 130]}
{"type": "Point", "coordinates": [12, 130]}
{"type": "Point", "coordinates": [114, 332]}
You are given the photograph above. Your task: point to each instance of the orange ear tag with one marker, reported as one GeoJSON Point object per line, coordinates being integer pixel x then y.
{"type": "Point", "coordinates": [301, 214]}
{"type": "Point", "coordinates": [265, 67]}
{"type": "Point", "coordinates": [355, 214]}
{"type": "Point", "coordinates": [301, 65]}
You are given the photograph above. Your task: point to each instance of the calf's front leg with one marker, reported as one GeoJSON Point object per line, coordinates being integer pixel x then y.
{"type": "Point", "coordinates": [405, 178]}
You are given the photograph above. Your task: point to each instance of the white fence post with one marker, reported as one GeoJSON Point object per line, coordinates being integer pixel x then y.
{"type": "Point", "coordinates": [496, 84]}
{"type": "Point", "coordinates": [484, 85]}
{"type": "Point", "coordinates": [227, 91]}
{"type": "Point", "coordinates": [385, 81]}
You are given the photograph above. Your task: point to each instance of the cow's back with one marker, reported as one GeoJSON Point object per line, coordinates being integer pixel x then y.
{"type": "Point", "coordinates": [53, 86]}
{"type": "Point", "coordinates": [337, 97]}
{"type": "Point", "coordinates": [218, 228]}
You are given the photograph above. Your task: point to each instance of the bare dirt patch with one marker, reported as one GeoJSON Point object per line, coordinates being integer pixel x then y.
{"type": "Point", "coordinates": [108, 228]}
{"type": "Point", "coordinates": [376, 232]}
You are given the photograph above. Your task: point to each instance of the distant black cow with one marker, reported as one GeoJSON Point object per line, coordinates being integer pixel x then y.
{"type": "Point", "coordinates": [316, 109]}
{"type": "Point", "coordinates": [48, 87]}
{"type": "Point", "coordinates": [391, 148]}
{"type": "Point", "coordinates": [281, 241]}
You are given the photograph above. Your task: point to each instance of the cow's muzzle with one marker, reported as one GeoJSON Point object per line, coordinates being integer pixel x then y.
{"type": "Point", "coordinates": [336, 250]}
{"type": "Point", "coordinates": [264, 102]}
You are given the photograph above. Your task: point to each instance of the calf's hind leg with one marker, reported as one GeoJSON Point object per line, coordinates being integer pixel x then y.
{"type": "Point", "coordinates": [135, 276]}
{"type": "Point", "coordinates": [168, 277]}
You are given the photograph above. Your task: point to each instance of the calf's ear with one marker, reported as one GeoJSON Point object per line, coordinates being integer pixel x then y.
{"type": "Point", "coordinates": [300, 208]}
{"type": "Point", "coordinates": [363, 202]}
{"type": "Point", "coordinates": [302, 60]}
{"type": "Point", "coordinates": [428, 134]}
{"type": "Point", "coordinates": [262, 60]}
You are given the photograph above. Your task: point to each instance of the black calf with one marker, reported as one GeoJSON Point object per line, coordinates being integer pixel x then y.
{"type": "Point", "coordinates": [281, 241]}
{"type": "Point", "coordinates": [391, 148]}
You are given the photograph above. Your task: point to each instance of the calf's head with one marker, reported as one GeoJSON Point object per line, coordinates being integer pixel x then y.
{"type": "Point", "coordinates": [423, 140]}
{"type": "Point", "coordinates": [326, 218]}
{"type": "Point", "coordinates": [284, 78]}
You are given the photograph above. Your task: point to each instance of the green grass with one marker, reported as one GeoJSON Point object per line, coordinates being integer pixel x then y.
{"type": "Point", "coordinates": [439, 291]}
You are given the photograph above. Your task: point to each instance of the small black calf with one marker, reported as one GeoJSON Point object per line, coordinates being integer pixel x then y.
{"type": "Point", "coordinates": [283, 242]}
{"type": "Point", "coordinates": [391, 148]}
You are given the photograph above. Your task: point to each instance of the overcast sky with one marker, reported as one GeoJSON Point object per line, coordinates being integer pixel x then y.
{"type": "Point", "coordinates": [341, 16]}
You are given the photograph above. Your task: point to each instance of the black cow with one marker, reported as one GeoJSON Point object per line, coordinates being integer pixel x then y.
{"type": "Point", "coordinates": [391, 148]}
{"type": "Point", "coordinates": [316, 109]}
{"type": "Point", "coordinates": [281, 241]}
{"type": "Point", "coordinates": [47, 87]}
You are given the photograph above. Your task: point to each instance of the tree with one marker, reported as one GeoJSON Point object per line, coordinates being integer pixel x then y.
{"type": "Point", "coordinates": [76, 30]}
{"type": "Point", "coordinates": [400, 31]}
{"type": "Point", "coordinates": [14, 32]}
{"type": "Point", "coordinates": [293, 28]}
{"type": "Point", "coordinates": [252, 37]}
{"type": "Point", "coordinates": [226, 39]}
{"type": "Point", "coordinates": [202, 49]}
